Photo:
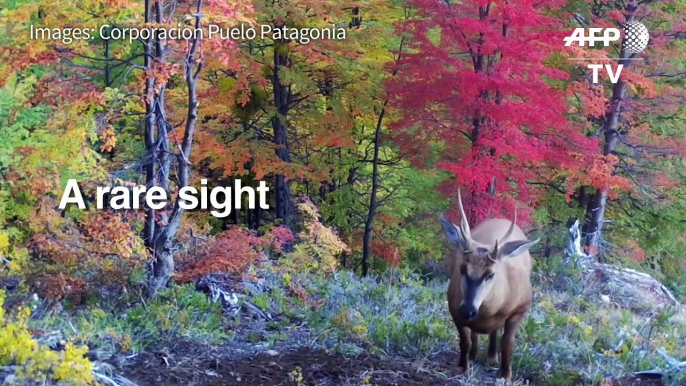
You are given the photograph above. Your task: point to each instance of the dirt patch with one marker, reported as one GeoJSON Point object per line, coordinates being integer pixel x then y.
{"type": "Point", "coordinates": [636, 382]}
{"type": "Point", "coordinates": [191, 364]}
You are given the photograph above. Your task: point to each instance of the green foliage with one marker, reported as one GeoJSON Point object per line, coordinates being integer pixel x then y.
{"type": "Point", "coordinates": [18, 123]}
{"type": "Point", "coordinates": [178, 311]}
{"type": "Point", "coordinates": [658, 229]}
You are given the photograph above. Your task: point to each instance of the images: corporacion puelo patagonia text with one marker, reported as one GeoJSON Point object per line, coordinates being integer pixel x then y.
{"type": "Point", "coordinates": [184, 32]}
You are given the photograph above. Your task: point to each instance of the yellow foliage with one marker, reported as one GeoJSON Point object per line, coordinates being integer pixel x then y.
{"type": "Point", "coordinates": [609, 353]}
{"type": "Point", "coordinates": [297, 375]}
{"type": "Point", "coordinates": [4, 242]}
{"type": "Point", "coordinates": [547, 305]}
{"type": "Point", "coordinates": [351, 321]}
{"type": "Point", "coordinates": [574, 321]}
{"type": "Point", "coordinates": [320, 245]}
{"type": "Point", "coordinates": [36, 362]}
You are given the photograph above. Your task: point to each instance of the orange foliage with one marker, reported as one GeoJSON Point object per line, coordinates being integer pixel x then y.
{"type": "Point", "coordinates": [591, 98]}
{"type": "Point", "coordinates": [600, 176]}
{"type": "Point", "coordinates": [639, 84]}
{"type": "Point", "coordinates": [232, 158]}
{"type": "Point", "coordinates": [37, 183]}
{"type": "Point", "coordinates": [58, 287]}
{"type": "Point", "coordinates": [161, 72]}
{"type": "Point", "coordinates": [636, 253]}
{"type": "Point", "coordinates": [102, 247]}
{"type": "Point", "coordinates": [231, 251]}
{"type": "Point", "coordinates": [110, 141]}
{"type": "Point", "coordinates": [279, 236]}
{"type": "Point", "coordinates": [107, 233]}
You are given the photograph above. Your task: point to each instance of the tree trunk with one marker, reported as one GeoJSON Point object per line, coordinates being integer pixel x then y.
{"type": "Point", "coordinates": [356, 21]}
{"type": "Point", "coordinates": [162, 242]}
{"type": "Point", "coordinates": [284, 206]}
{"type": "Point", "coordinates": [368, 226]}
{"type": "Point", "coordinates": [258, 217]}
{"type": "Point", "coordinates": [149, 228]}
{"type": "Point", "coordinates": [108, 71]}
{"type": "Point", "coordinates": [322, 192]}
{"type": "Point", "coordinates": [162, 270]}
{"type": "Point", "coordinates": [595, 211]}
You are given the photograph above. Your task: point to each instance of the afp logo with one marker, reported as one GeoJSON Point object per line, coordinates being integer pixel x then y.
{"type": "Point", "coordinates": [635, 37]}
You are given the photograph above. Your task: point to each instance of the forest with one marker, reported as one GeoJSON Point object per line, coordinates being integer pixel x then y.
{"type": "Point", "coordinates": [363, 124]}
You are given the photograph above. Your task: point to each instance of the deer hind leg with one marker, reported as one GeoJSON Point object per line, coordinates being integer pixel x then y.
{"type": "Point", "coordinates": [507, 344]}
{"type": "Point", "coordinates": [465, 346]}
{"type": "Point", "coordinates": [475, 346]}
{"type": "Point", "coordinates": [492, 357]}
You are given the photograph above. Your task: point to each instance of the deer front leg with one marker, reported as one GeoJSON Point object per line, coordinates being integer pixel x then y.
{"type": "Point", "coordinates": [465, 346]}
{"type": "Point", "coordinates": [492, 357]}
{"type": "Point", "coordinates": [507, 344]}
{"type": "Point", "coordinates": [475, 346]}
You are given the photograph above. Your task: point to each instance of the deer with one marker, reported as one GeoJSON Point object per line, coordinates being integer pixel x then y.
{"type": "Point", "coordinates": [490, 285]}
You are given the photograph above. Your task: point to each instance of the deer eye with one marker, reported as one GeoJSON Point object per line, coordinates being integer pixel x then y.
{"type": "Point", "coordinates": [489, 276]}
{"type": "Point", "coordinates": [463, 270]}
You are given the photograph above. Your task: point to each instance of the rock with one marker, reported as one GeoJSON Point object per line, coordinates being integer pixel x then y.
{"type": "Point", "coordinates": [222, 288]}
{"type": "Point", "coordinates": [630, 286]}
{"type": "Point", "coordinates": [625, 285]}
{"type": "Point", "coordinates": [272, 353]}
{"type": "Point", "coordinates": [674, 367]}
{"type": "Point", "coordinates": [10, 284]}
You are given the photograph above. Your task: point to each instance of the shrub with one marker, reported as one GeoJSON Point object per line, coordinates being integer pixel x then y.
{"type": "Point", "coordinates": [35, 362]}
{"type": "Point", "coordinates": [319, 245]}
{"type": "Point", "coordinates": [230, 251]}
{"type": "Point", "coordinates": [65, 256]}
{"type": "Point", "coordinates": [178, 311]}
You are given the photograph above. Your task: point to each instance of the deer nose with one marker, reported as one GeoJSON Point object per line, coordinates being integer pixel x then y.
{"type": "Point", "coordinates": [468, 311]}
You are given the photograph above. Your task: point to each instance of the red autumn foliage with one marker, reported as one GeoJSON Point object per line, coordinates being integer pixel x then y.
{"type": "Point", "coordinates": [384, 246]}
{"type": "Point", "coordinates": [491, 97]}
{"type": "Point", "coordinates": [591, 250]}
{"type": "Point", "coordinates": [279, 236]}
{"type": "Point", "coordinates": [232, 251]}
{"type": "Point", "coordinates": [387, 251]}
{"type": "Point", "coordinates": [645, 91]}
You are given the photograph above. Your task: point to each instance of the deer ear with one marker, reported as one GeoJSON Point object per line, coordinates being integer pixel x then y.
{"type": "Point", "coordinates": [453, 233]}
{"type": "Point", "coordinates": [515, 248]}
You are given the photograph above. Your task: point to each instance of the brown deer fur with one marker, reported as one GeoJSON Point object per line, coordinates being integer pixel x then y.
{"type": "Point", "coordinates": [490, 285]}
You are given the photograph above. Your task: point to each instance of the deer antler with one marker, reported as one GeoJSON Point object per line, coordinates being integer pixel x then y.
{"type": "Point", "coordinates": [509, 231]}
{"type": "Point", "coordinates": [465, 225]}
